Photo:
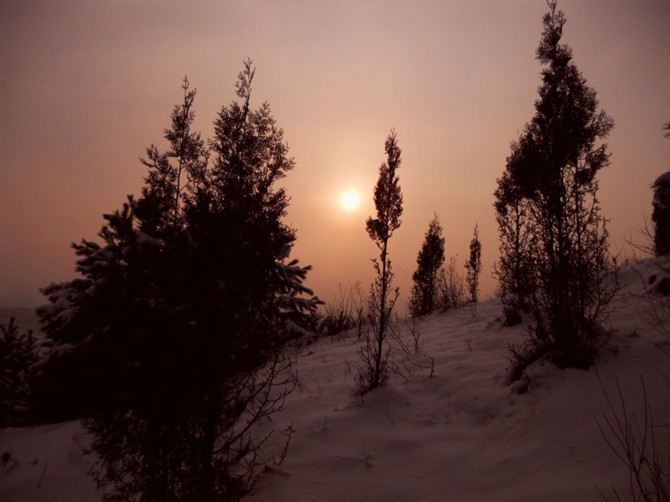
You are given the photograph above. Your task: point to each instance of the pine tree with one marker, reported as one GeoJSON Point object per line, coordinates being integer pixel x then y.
{"type": "Point", "coordinates": [661, 209]}
{"type": "Point", "coordinates": [18, 355]}
{"type": "Point", "coordinates": [474, 266]}
{"type": "Point", "coordinates": [382, 299]}
{"type": "Point", "coordinates": [182, 313]}
{"type": "Point", "coordinates": [172, 175]}
{"type": "Point", "coordinates": [553, 167]}
{"type": "Point", "coordinates": [425, 294]}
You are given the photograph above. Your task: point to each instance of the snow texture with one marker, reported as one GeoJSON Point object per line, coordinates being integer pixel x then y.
{"type": "Point", "coordinates": [462, 434]}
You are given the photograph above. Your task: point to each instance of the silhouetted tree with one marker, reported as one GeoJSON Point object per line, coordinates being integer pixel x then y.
{"type": "Point", "coordinates": [18, 355]}
{"type": "Point", "coordinates": [661, 214]}
{"type": "Point", "coordinates": [382, 299]}
{"type": "Point", "coordinates": [172, 175]}
{"type": "Point", "coordinates": [474, 266]}
{"type": "Point", "coordinates": [182, 313]}
{"type": "Point", "coordinates": [514, 265]}
{"type": "Point", "coordinates": [554, 167]}
{"type": "Point", "coordinates": [425, 294]}
{"type": "Point", "coordinates": [661, 209]}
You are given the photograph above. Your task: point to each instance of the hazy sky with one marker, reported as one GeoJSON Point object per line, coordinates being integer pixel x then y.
{"type": "Point", "coordinates": [87, 86]}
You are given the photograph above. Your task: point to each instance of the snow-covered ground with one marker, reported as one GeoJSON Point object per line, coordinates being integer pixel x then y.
{"type": "Point", "coordinates": [461, 434]}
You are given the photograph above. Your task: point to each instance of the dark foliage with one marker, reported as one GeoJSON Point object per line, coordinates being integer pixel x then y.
{"type": "Point", "coordinates": [173, 336]}
{"type": "Point", "coordinates": [18, 357]}
{"type": "Point", "coordinates": [514, 266]}
{"type": "Point", "coordinates": [474, 266]}
{"type": "Point", "coordinates": [425, 291]}
{"type": "Point", "coordinates": [661, 209]}
{"type": "Point", "coordinates": [661, 214]}
{"type": "Point", "coordinates": [550, 188]}
{"type": "Point", "coordinates": [382, 299]}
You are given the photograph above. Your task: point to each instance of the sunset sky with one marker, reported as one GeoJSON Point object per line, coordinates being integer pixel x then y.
{"type": "Point", "coordinates": [87, 86]}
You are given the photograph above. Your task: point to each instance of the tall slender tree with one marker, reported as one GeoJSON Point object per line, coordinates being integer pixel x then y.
{"type": "Point", "coordinates": [553, 166]}
{"type": "Point", "coordinates": [425, 294]}
{"type": "Point", "coordinates": [382, 299]}
{"type": "Point", "coordinates": [474, 266]}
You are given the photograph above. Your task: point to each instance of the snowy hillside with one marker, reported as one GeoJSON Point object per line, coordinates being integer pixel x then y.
{"type": "Point", "coordinates": [461, 434]}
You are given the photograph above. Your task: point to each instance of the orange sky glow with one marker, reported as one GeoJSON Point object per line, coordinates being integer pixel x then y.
{"type": "Point", "coordinates": [87, 86]}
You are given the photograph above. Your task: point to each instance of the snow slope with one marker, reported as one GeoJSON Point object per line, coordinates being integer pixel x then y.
{"type": "Point", "coordinates": [461, 434]}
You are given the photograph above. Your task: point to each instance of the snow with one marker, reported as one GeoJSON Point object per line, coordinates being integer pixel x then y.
{"type": "Point", "coordinates": [462, 433]}
{"type": "Point", "coordinates": [46, 463]}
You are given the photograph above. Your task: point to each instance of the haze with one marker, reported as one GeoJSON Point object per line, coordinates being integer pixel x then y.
{"type": "Point", "coordinates": [86, 87]}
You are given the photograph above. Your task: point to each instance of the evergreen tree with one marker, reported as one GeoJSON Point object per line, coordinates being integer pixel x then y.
{"type": "Point", "coordinates": [382, 299]}
{"type": "Point", "coordinates": [553, 166]}
{"type": "Point", "coordinates": [474, 266]}
{"type": "Point", "coordinates": [661, 209]}
{"type": "Point", "coordinates": [181, 315]}
{"type": "Point", "coordinates": [18, 355]}
{"type": "Point", "coordinates": [425, 294]}
{"type": "Point", "coordinates": [661, 214]}
{"type": "Point", "coordinates": [172, 175]}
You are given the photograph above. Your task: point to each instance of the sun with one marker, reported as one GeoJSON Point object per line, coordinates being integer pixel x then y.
{"type": "Point", "coordinates": [350, 200]}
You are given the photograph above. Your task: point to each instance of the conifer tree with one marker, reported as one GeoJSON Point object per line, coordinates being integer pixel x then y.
{"type": "Point", "coordinates": [661, 209]}
{"type": "Point", "coordinates": [18, 355]}
{"type": "Point", "coordinates": [182, 313]}
{"type": "Point", "coordinates": [382, 299]}
{"type": "Point", "coordinates": [172, 174]}
{"type": "Point", "coordinates": [425, 293]}
{"type": "Point", "coordinates": [474, 266]}
{"type": "Point", "coordinates": [554, 167]}
{"type": "Point", "coordinates": [661, 214]}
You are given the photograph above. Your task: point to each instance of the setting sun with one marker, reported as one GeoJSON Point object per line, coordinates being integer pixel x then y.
{"type": "Point", "coordinates": [350, 200]}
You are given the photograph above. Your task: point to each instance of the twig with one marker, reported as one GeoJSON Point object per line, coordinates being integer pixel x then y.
{"type": "Point", "coordinates": [44, 471]}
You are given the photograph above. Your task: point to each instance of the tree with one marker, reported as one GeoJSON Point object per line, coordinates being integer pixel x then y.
{"type": "Point", "coordinates": [18, 355]}
{"type": "Point", "coordinates": [165, 191]}
{"type": "Point", "coordinates": [661, 214]}
{"type": "Point", "coordinates": [182, 314]}
{"type": "Point", "coordinates": [474, 266]}
{"type": "Point", "coordinates": [382, 299]}
{"type": "Point", "coordinates": [425, 297]}
{"type": "Point", "coordinates": [661, 209]}
{"type": "Point", "coordinates": [514, 265]}
{"type": "Point", "coordinates": [553, 167]}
